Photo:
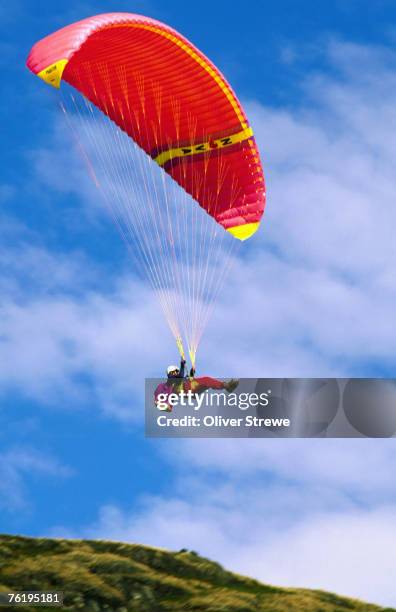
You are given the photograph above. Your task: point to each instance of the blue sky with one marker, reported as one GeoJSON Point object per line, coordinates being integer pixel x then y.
{"type": "Point", "coordinates": [318, 290]}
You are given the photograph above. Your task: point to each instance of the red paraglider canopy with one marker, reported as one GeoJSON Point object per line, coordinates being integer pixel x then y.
{"type": "Point", "coordinates": [167, 96]}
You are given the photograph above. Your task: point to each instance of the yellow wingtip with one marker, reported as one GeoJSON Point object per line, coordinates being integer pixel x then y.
{"type": "Point", "coordinates": [243, 232]}
{"type": "Point", "coordinates": [53, 73]}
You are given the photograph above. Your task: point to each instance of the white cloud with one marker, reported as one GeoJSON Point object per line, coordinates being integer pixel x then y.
{"type": "Point", "coordinates": [70, 333]}
{"type": "Point", "coordinates": [330, 169]}
{"type": "Point", "coordinates": [348, 553]}
{"type": "Point", "coordinates": [317, 463]}
{"type": "Point", "coordinates": [315, 294]}
{"type": "Point", "coordinates": [48, 342]}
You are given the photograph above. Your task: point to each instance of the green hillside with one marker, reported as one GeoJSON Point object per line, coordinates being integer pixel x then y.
{"type": "Point", "coordinates": [100, 575]}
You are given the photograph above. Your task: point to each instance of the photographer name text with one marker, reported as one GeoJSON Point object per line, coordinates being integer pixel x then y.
{"type": "Point", "coordinates": [220, 421]}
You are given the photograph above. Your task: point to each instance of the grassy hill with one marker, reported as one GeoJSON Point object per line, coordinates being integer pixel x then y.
{"type": "Point", "coordinates": [99, 575]}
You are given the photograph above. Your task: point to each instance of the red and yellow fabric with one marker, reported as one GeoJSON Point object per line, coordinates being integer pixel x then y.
{"type": "Point", "coordinates": [166, 95]}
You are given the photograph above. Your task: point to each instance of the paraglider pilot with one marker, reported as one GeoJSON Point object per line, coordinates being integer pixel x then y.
{"type": "Point", "coordinates": [175, 372]}
{"type": "Point", "coordinates": [178, 382]}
